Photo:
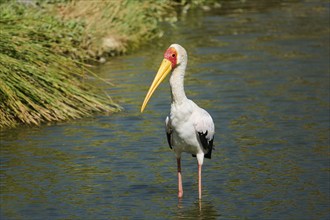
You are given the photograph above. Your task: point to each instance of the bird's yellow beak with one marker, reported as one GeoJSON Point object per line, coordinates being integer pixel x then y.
{"type": "Point", "coordinates": [164, 69]}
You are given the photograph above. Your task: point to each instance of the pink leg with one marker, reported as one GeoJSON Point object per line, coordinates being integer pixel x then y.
{"type": "Point", "coordinates": [199, 181]}
{"type": "Point", "coordinates": [180, 189]}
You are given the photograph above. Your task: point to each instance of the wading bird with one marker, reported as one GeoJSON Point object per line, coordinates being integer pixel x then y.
{"type": "Point", "coordinates": [189, 128]}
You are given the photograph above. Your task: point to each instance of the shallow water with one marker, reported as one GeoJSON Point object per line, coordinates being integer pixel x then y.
{"type": "Point", "coordinates": [260, 69]}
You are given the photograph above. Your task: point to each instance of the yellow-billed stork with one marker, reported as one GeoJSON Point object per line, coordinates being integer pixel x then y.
{"type": "Point", "coordinates": [189, 128]}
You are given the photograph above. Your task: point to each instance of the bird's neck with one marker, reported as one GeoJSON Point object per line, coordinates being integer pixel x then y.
{"type": "Point", "coordinates": [177, 85]}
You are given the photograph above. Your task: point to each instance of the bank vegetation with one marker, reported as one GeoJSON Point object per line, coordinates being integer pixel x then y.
{"type": "Point", "coordinates": [45, 47]}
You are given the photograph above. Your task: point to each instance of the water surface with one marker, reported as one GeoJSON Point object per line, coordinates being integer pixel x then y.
{"type": "Point", "coordinates": [260, 69]}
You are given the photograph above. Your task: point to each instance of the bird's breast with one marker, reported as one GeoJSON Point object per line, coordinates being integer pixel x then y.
{"type": "Point", "coordinates": [184, 135]}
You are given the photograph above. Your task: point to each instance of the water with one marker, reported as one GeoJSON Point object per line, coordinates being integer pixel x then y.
{"type": "Point", "coordinates": [260, 69]}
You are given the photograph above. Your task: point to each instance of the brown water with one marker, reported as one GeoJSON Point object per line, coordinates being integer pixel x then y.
{"type": "Point", "coordinates": [261, 68]}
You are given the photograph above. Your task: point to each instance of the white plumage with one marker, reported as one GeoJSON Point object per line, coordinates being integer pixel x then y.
{"type": "Point", "coordinates": [189, 128]}
{"type": "Point", "coordinates": [185, 122]}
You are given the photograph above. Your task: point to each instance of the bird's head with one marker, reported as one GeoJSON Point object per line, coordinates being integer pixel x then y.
{"type": "Point", "coordinates": [175, 57]}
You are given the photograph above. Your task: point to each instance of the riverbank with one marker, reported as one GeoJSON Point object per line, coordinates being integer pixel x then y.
{"type": "Point", "coordinates": [44, 48]}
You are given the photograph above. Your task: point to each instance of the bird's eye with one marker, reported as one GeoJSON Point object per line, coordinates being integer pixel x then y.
{"type": "Point", "coordinates": [173, 55]}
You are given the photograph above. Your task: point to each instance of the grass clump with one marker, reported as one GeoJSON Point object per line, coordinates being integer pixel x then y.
{"type": "Point", "coordinates": [116, 27]}
{"type": "Point", "coordinates": [38, 83]}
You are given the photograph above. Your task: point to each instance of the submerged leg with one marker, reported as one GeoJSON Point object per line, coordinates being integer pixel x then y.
{"type": "Point", "coordinates": [200, 159]}
{"type": "Point", "coordinates": [180, 189]}
{"type": "Point", "coordinates": [200, 181]}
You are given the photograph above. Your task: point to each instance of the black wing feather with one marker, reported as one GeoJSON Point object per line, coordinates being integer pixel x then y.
{"type": "Point", "coordinates": [206, 143]}
{"type": "Point", "coordinates": [169, 138]}
{"type": "Point", "coordinates": [168, 130]}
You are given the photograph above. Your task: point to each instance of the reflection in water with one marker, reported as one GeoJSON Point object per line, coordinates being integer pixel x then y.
{"type": "Point", "coordinates": [197, 210]}
{"type": "Point", "coordinates": [264, 73]}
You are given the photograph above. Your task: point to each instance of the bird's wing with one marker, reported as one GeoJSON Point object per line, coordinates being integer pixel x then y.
{"type": "Point", "coordinates": [204, 127]}
{"type": "Point", "coordinates": [168, 129]}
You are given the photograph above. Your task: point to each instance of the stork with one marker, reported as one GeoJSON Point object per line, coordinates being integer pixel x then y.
{"type": "Point", "coordinates": [189, 128]}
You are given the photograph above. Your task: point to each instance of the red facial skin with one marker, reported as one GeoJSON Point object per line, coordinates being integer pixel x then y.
{"type": "Point", "coordinates": [171, 55]}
